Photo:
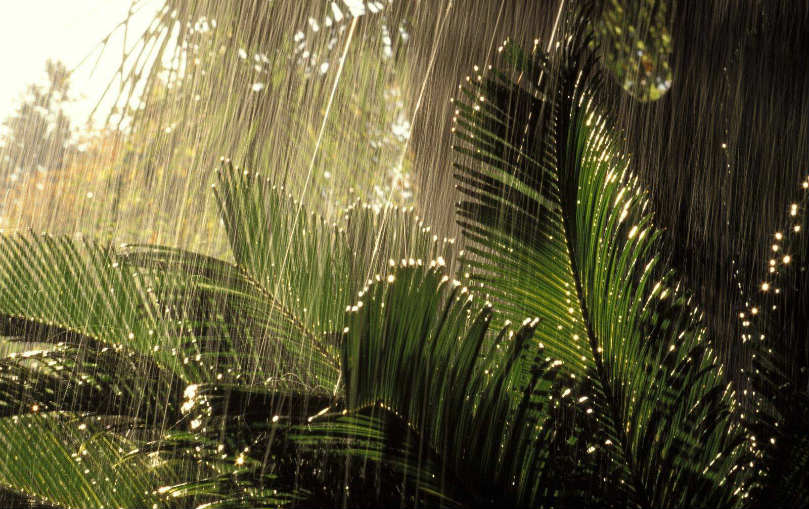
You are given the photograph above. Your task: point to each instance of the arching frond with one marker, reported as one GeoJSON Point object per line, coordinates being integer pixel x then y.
{"type": "Point", "coordinates": [86, 380]}
{"type": "Point", "coordinates": [559, 228]}
{"type": "Point", "coordinates": [82, 288]}
{"type": "Point", "coordinates": [224, 304]}
{"type": "Point", "coordinates": [432, 392]}
{"type": "Point", "coordinates": [76, 462]}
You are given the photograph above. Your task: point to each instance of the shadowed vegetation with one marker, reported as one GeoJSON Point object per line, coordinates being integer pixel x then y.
{"type": "Point", "coordinates": [340, 352]}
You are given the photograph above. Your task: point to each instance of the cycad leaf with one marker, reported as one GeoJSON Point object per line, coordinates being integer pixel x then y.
{"type": "Point", "coordinates": [94, 381]}
{"type": "Point", "coordinates": [419, 348]}
{"type": "Point", "coordinates": [298, 259]}
{"type": "Point", "coordinates": [81, 288]}
{"type": "Point", "coordinates": [234, 450]}
{"type": "Point", "coordinates": [391, 234]}
{"type": "Point", "coordinates": [558, 227]}
{"type": "Point", "coordinates": [75, 463]}
{"type": "Point", "coordinates": [267, 341]}
{"type": "Point", "coordinates": [309, 271]}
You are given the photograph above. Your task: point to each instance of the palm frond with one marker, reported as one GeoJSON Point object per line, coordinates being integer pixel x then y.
{"type": "Point", "coordinates": [225, 305]}
{"type": "Point", "coordinates": [231, 448]}
{"type": "Point", "coordinates": [432, 392]}
{"type": "Point", "coordinates": [381, 239]}
{"type": "Point", "coordinates": [103, 382]}
{"type": "Point", "coordinates": [297, 260]}
{"type": "Point", "coordinates": [306, 270]}
{"type": "Point", "coordinates": [83, 289]}
{"type": "Point", "coordinates": [76, 463]}
{"type": "Point", "coordinates": [422, 375]}
{"type": "Point", "coordinates": [559, 228]}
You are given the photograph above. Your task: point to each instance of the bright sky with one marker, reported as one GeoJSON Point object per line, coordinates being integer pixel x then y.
{"type": "Point", "coordinates": [32, 31]}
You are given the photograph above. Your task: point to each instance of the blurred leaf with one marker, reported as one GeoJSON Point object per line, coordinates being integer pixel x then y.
{"type": "Point", "coordinates": [635, 41]}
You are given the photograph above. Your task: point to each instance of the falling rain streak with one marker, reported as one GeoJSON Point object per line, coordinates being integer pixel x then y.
{"type": "Point", "coordinates": [359, 253]}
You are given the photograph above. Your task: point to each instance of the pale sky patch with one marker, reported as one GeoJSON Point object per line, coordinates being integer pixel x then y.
{"type": "Point", "coordinates": [32, 31]}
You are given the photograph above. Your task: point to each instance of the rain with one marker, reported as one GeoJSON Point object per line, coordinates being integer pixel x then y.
{"type": "Point", "coordinates": [360, 253]}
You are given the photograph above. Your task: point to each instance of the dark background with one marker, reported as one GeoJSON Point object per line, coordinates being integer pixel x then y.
{"type": "Point", "coordinates": [739, 78]}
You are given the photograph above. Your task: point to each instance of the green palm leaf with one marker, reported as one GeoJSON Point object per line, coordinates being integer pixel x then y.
{"type": "Point", "coordinates": [223, 304]}
{"type": "Point", "coordinates": [87, 380]}
{"type": "Point", "coordinates": [271, 359]}
{"type": "Point", "coordinates": [296, 258]}
{"type": "Point", "coordinates": [306, 270]}
{"type": "Point", "coordinates": [76, 462]}
{"type": "Point", "coordinates": [83, 289]}
{"type": "Point", "coordinates": [433, 394]}
{"type": "Point", "coordinates": [231, 448]}
{"type": "Point", "coordinates": [558, 227]}
{"type": "Point", "coordinates": [381, 239]}
{"type": "Point", "coordinates": [64, 414]}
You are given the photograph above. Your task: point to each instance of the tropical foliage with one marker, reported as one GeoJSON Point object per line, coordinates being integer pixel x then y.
{"type": "Point", "coordinates": [555, 361]}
